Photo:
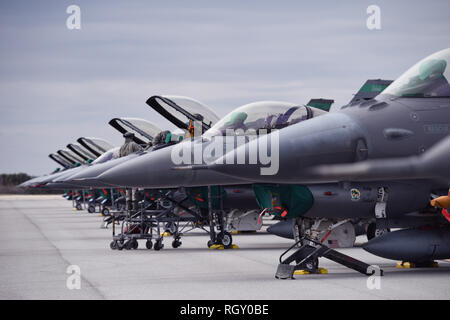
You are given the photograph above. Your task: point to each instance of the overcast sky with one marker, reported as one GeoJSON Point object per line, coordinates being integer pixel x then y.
{"type": "Point", "coordinates": [58, 84]}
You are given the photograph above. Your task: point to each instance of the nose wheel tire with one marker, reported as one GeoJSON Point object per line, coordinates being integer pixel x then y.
{"type": "Point", "coordinates": [149, 244]}
{"type": "Point", "coordinates": [226, 239]}
{"type": "Point", "coordinates": [158, 245]}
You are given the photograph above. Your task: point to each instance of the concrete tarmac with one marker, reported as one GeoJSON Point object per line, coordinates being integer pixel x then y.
{"type": "Point", "coordinates": [41, 236]}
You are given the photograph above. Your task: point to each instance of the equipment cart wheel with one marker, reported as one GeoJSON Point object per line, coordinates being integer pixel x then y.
{"type": "Point", "coordinates": [128, 245]}
{"type": "Point", "coordinates": [210, 243]}
{"type": "Point", "coordinates": [105, 211]}
{"type": "Point", "coordinates": [91, 209]}
{"type": "Point", "coordinates": [135, 244]}
{"type": "Point", "coordinates": [120, 245]}
{"type": "Point", "coordinates": [176, 243]}
{"type": "Point", "coordinates": [149, 244]}
{"type": "Point", "coordinates": [113, 245]}
{"type": "Point", "coordinates": [158, 245]}
{"type": "Point", "coordinates": [78, 206]}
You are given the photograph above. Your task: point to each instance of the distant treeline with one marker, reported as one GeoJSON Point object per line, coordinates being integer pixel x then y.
{"type": "Point", "coordinates": [13, 179]}
{"type": "Point", "coordinates": [9, 183]}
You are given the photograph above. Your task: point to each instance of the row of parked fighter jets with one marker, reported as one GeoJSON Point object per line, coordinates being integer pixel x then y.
{"type": "Point", "coordinates": [382, 159]}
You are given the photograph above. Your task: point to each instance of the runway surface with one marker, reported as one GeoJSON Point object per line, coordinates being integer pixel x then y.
{"type": "Point", "coordinates": [41, 236]}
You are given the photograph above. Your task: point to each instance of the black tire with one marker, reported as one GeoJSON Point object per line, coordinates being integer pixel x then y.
{"type": "Point", "coordinates": [158, 245]}
{"type": "Point", "coordinates": [120, 245]}
{"type": "Point", "coordinates": [105, 211]}
{"type": "Point", "coordinates": [113, 245]}
{"type": "Point", "coordinates": [226, 239]}
{"type": "Point", "coordinates": [78, 206]}
{"type": "Point", "coordinates": [91, 209]}
{"type": "Point", "coordinates": [149, 244]}
{"type": "Point", "coordinates": [176, 244]}
{"type": "Point", "coordinates": [210, 243]}
{"type": "Point", "coordinates": [135, 244]}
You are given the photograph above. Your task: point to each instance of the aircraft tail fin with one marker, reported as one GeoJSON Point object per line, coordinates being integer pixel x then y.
{"type": "Point", "coordinates": [324, 104]}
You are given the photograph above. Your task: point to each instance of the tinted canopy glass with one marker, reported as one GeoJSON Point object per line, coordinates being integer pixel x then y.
{"type": "Point", "coordinates": [428, 78]}
{"type": "Point", "coordinates": [263, 115]}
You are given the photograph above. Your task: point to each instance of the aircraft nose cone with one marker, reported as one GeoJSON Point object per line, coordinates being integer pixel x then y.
{"type": "Point", "coordinates": [140, 171]}
{"type": "Point", "coordinates": [157, 169]}
{"type": "Point", "coordinates": [88, 176]}
{"type": "Point", "coordinates": [285, 156]}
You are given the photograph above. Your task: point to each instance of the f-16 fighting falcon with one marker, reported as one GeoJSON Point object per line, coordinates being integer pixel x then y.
{"type": "Point", "coordinates": [406, 119]}
{"type": "Point", "coordinates": [390, 153]}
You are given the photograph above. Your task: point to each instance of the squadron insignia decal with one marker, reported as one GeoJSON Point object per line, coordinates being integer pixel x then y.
{"type": "Point", "coordinates": [355, 194]}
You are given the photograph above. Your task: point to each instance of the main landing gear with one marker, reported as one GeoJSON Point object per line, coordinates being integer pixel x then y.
{"type": "Point", "coordinates": [223, 238]}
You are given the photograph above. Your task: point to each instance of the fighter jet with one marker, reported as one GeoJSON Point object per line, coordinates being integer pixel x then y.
{"type": "Point", "coordinates": [156, 169]}
{"type": "Point", "coordinates": [407, 118]}
{"type": "Point", "coordinates": [71, 160]}
{"type": "Point", "coordinates": [59, 160]}
{"type": "Point", "coordinates": [387, 153]}
{"type": "Point", "coordinates": [144, 133]}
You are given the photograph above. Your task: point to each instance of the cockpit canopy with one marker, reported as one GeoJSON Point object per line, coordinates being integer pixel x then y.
{"type": "Point", "coordinates": [60, 160]}
{"type": "Point", "coordinates": [96, 146]}
{"type": "Point", "coordinates": [70, 156]}
{"type": "Point", "coordinates": [108, 155]}
{"type": "Point", "coordinates": [144, 131]}
{"type": "Point", "coordinates": [181, 110]}
{"type": "Point", "coordinates": [428, 78]}
{"type": "Point", "coordinates": [82, 152]}
{"type": "Point", "coordinates": [268, 115]}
